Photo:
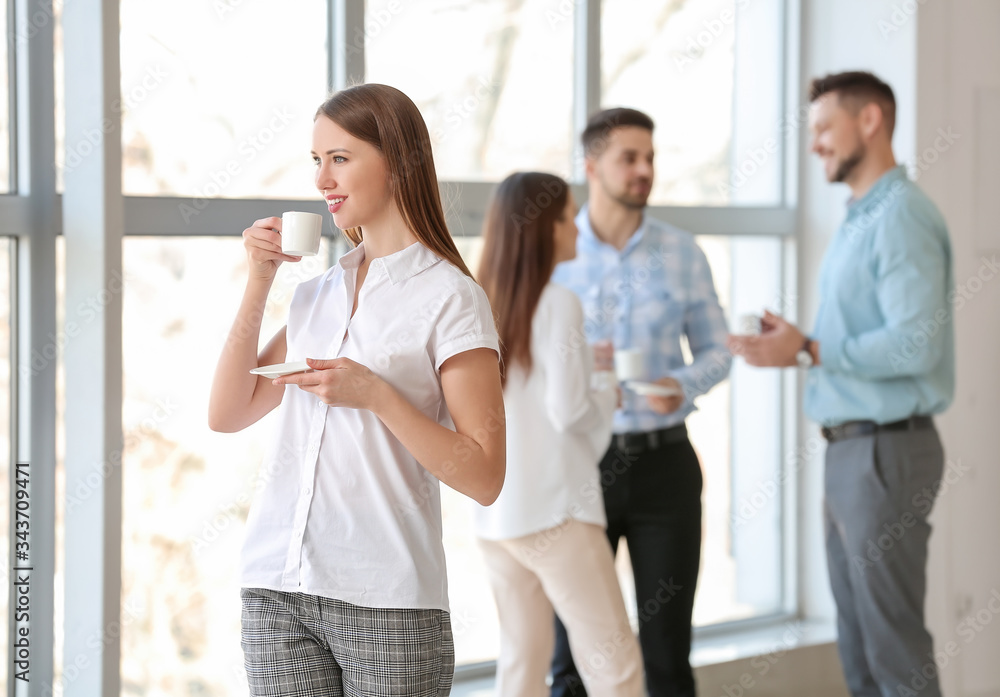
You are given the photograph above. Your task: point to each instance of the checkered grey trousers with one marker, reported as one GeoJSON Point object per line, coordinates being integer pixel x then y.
{"type": "Point", "coordinates": [298, 645]}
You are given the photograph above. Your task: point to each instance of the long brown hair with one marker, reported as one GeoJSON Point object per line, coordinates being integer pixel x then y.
{"type": "Point", "coordinates": [386, 118]}
{"type": "Point", "coordinates": [519, 255]}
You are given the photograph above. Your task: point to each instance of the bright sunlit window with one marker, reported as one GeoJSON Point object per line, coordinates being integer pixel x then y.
{"type": "Point", "coordinates": [493, 79]}
{"type": "Point", "coordinates": [708, 73]}
{"type": "Point", "coordinates": [218, 98]}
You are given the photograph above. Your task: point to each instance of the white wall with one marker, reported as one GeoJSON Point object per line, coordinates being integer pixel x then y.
{"type": "Point", "coordinates": [942, 58]}
{"type": "Point", "coordinates": [958, 89]}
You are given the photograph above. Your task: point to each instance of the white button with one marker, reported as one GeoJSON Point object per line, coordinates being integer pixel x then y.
{"type": "Point", "coordinates": [320, 403]}
{"type": "Point", "coordinates": [307, 491]}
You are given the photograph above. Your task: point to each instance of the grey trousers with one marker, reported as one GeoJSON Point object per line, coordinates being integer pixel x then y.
{"type": "Point", "coordinates": [299, 645]}
{"type": "Point", "coordinates": [879, 491]}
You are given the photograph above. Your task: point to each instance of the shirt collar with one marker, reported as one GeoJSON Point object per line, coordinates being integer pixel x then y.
{"type": "Point", "coordinates": [886, 185]}
{"type": "Point", "coordinates": [408, 262]}
{"type": "Point", "coordinates": [590, 237]}
{"type": "Point", "coordinates": [353, 258]}
{"type": "Point", "coordinates": [398, 266]}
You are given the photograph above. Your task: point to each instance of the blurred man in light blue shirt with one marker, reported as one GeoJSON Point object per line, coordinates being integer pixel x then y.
{"type": "Point", "coordinates": [884, 329]}
{"type": "Point", "coordinates": [881, 362]}
{"type": "Point", "coordinates": [646, 285]}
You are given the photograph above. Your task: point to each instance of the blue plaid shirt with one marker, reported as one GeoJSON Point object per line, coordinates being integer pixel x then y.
{"type": "Point", "coordinates": [646, 296]}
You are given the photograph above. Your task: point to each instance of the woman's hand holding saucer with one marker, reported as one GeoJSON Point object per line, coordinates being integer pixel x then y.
{"type": "Point", "coordinates": [338, 382]}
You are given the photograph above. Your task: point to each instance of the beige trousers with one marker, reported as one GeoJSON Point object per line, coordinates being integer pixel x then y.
{"type": "Point", "coordinates": [569, 568]}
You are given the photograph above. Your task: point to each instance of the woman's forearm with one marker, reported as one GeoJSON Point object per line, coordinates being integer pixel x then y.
{"type": "Point", "coordinates": [232, 399]}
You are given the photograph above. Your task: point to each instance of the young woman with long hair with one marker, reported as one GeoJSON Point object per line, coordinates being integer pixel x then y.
{"type": "Point", "coordinates": [343, 570]}
{"type": "Point", "coordinates": [543, 540]}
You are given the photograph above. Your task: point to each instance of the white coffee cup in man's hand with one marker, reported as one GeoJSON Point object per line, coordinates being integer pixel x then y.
{"type": "Point", "coordinates": [300, 233]}
{"type": "Point", "coordinates": [749, 325]}
{"type": "Point", "coordinates": [629, 364]}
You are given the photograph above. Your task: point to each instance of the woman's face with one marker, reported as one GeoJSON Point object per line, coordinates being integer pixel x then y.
{"type": "Point", "coordinates": [565, 231]}
{"type": "Point", "coordinates": [351, 174]}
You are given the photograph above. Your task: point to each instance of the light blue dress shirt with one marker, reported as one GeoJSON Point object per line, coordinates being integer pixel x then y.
{"type": "Point", "coordinates": [885, 323]}
{"type": "Point", "coordinates": [647, 296]}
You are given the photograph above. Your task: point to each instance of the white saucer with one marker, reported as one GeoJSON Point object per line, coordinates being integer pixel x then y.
{"type": "Point", "coordinates": [647, 389]}
{"type": "Point", "coordinates": [279, 369]}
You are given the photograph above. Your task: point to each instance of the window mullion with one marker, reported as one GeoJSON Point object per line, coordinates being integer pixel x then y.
{"type": "Point", "coordinates": [586, 74]}
{"type": "Point", "coordinates": [92, 227]}
{"type": "Point", "coordinates": [346, 43]}
{"type": "Point", "coordinates": [33, 314]}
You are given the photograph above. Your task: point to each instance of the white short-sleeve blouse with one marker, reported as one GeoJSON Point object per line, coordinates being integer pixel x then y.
{"type": "Point", "coordinates": [344, 511]}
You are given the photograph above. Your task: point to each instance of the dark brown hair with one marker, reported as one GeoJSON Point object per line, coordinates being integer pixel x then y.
{"type": "Point", "coordinates": [600, 125]}
{"type": "Point", "coordinates": [854, 90]}
{"type": "Point", "coordinates": [386, 118]}
{"type": "Point", "coordinates": [519, 256]}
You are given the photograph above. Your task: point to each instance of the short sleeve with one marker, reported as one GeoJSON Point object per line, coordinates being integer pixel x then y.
{"type": "Point", "coordinates": [464, 323]}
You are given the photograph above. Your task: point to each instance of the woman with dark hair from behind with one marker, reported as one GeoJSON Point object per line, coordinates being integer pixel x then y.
{"type": "Point", "coordinates": [543, 540]}
{"type": "Point", "coordinates": [343, 573]}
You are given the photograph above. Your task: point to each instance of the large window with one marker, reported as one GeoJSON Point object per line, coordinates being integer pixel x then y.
{"type": "Point", "coordinates": [741, 575]}
{"type": "Point", "coordinates": [709, 74]}
{"type": "Point", "coordinates": [736, 433]}
{"type": "Point", "coordinates": [217, 99]}
{"type": "Point", "coordinates": [186, 489]}
{"type": "Point", "coordinates": [217, 103]}
{"type": "Point", "coordinates": [493, 79]}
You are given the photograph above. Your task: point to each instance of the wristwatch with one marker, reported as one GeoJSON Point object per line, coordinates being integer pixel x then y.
{"type": "Point", "coordinates": [804, 357]}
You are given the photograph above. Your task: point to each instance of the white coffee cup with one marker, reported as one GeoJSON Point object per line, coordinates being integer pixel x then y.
{"type": "Point", "coordinates": [629, 364]}
{"type": "Point", "coordinates": [748, 324]}
{"type": "Point", "coordinates": [300, 233]}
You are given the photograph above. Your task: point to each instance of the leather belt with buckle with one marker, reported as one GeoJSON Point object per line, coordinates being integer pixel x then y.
{"type": "Point", "coordinates": [857, 429]}
{"type": "Point", "coordinates": [649, 440]}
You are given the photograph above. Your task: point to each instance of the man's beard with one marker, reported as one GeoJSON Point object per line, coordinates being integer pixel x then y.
{"type": "Point", "coordinates": [847, 166]}
{"type": "Point", "coordinates": [635, 202]}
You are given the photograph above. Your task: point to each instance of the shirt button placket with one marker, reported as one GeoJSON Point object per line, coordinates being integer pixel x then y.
{"type": "Point", "coordinates": [294, 560]}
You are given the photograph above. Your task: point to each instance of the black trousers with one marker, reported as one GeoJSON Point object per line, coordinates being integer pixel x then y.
{"type": "Point", "coordinates": [653, 499]}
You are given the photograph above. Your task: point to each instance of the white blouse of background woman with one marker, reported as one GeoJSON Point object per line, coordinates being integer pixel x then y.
{"type": "Point", "coordinates": [558, 428]}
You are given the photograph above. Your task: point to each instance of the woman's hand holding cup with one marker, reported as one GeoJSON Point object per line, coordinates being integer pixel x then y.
{"type": "Point", "coordinates": [263, 244]}
{"type": "Point", "coordinates": [604, 354]}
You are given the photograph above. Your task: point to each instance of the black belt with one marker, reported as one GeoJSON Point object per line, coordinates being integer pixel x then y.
{"type": "Point", "coordinates": [857, 429]}
{"type": "Point", "coordinates": [649, 440]}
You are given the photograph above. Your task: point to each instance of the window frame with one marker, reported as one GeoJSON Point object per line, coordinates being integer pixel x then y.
{"type": "Point", "coordinates": [27, 214]}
